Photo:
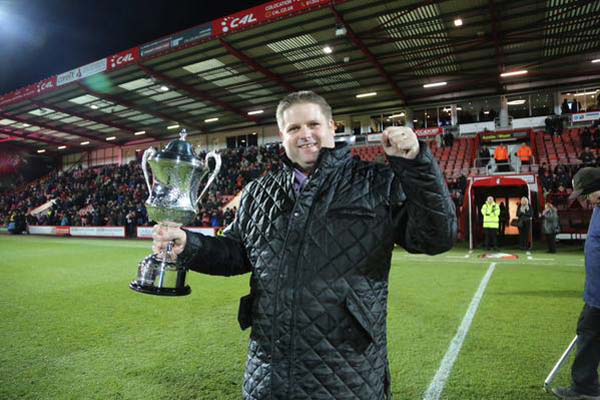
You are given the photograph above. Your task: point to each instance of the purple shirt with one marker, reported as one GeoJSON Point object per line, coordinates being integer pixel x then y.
{"type": "Point", "coordinates": [300, 179]}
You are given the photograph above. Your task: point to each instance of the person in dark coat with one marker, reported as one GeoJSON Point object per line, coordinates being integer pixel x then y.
{"type": "Point", "coordinates": [484, 156]}
{"type": "Point", "coordinates": [584, 370]}
{"type": "Point", "coordinates": [317, 237]}
{"type": "Point", "coordinates": [503, 221]}
{"type": "Point", "coordinates": [524, 215]}
{"type": "Point", "coordinates": [550, 226]}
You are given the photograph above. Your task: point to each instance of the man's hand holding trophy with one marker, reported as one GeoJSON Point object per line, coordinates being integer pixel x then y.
{"type": "Point", "coordinates": [177, 174]}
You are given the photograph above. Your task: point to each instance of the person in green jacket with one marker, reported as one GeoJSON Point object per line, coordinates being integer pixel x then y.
{"type": "Point", "coordinates": [491, 222]}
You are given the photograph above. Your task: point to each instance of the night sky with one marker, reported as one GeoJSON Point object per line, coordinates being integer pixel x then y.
{"type": "Point", "coordinates": [41, 38]}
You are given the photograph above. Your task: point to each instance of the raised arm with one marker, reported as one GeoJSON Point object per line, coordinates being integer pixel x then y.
{"type": "Point", "coordinates": [427, 221]}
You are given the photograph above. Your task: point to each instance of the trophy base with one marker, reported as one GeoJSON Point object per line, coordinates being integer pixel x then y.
{"type": "Point", "coordinates": [160, 277]}
{"type": "Point", "coordinates": [184, 291]}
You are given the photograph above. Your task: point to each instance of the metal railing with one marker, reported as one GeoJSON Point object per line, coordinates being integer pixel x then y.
{"type": "Point", "coordinates": [489, 166]}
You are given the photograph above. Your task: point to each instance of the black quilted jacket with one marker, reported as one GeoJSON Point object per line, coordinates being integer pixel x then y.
{"type": "Point", "coordinates": [320, 262]}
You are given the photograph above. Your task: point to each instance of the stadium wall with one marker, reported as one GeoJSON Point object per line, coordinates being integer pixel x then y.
{"type": "Point", "coordinates": [113, 232]}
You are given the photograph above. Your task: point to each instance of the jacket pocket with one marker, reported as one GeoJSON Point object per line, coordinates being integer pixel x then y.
{"type": "Point", "coordinates": [245, 311]}
{"type": "Point", "coordinates": [351, 212]}
{"type": "Point", "coordinates": [363, 322]}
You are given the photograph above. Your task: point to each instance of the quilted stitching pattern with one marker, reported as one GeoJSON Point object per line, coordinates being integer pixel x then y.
{"type": "Point", "coordinates": [320, 264]}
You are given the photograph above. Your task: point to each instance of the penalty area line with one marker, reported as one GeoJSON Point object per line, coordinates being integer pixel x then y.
{"type": "Point", "coordinates": [436, 387]}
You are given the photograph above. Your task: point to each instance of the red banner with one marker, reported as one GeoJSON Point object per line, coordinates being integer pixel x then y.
{"type": "Point", "coordinates": [427, 132]}
{"type": "Point", "coordinates": [63, 231]}
{"type": "Point", "coordinates": [47, 85]}
{"type": "Point", "coordinates": [264, 13]}
{"type": "Point", "coordinates": [123, 59]}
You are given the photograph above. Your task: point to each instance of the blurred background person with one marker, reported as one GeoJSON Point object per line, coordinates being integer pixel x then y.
{"type": "Point", "coordinates": [491, 216]}
{"type": "Point", "coordinates": [550, 226]}
{"type": "Point", "coordinates": [524, 215]}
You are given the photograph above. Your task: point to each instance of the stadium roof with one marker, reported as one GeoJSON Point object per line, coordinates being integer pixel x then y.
{"type": "Point", "coordinates": [230, 73]}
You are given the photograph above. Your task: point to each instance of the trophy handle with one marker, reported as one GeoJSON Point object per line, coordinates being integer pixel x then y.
{"type": "Point", "coordinates": [217, 158]}
{"type": "Point", "coordinates": [150, 151]}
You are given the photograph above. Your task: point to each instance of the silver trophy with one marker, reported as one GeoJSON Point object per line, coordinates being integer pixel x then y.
{"type": "Point", "coordinates": [172, 201]}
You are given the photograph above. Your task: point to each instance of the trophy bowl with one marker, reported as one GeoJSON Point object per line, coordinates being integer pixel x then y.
{"type": "Point", "coordinates": [173, 198]}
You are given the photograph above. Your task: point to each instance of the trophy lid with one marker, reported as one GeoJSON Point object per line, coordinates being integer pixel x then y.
{"type": "Point", "coordinates": [179, 149]}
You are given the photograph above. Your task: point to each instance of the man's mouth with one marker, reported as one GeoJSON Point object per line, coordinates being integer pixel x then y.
{"type": "Point", "coordinates": [307, 145]}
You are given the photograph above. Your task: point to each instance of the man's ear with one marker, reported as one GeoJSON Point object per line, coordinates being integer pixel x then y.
{"type": "Point", "coordinates": [332, 126]}
{"type": "Point", "coordinates": [280, 135]}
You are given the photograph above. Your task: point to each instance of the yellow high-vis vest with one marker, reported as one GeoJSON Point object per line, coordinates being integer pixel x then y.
{"type": "Point", "coordinates": [491, 215]}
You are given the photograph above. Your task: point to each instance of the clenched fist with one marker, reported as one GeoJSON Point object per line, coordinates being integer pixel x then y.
{"type": "Point", "coordinates": [400, 141]}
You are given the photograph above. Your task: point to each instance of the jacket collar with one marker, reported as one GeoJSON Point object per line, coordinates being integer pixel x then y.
{"type": "Point", "coordinates": [329, 158]}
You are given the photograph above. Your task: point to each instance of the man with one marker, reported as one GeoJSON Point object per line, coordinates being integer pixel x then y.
{"type": "Point", "coordinates": [503, 220]}
{"type": "Point", "coordinates": [525, 154]}
{"type": "Point", "coordinates": [587, 157]}
{"type": "Point", "coordinates": [484, 156]}
{"type": "Point", "coordinates": [491, 218]}
{"type": "Point", "coordinates": [502, 158]}
{"type": "Point", "coordinates": [317, 237]}
{"type": "Point", "coordinates": [584, 371]}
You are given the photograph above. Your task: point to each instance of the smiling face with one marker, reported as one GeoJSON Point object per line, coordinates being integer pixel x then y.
{"type": "Point", "coordinates": [304, 130]}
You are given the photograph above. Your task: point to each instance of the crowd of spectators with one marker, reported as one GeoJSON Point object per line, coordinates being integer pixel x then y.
{"type": "Point", "coordinates": [114, 195]}
{"type": "Point", "coordinates": [590, 137]}
{"type": "Point", "coordinates": [557, 182]}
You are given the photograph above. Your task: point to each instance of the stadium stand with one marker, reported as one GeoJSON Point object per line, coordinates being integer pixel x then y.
{"type": "Point", "coordinates": [113, 195]}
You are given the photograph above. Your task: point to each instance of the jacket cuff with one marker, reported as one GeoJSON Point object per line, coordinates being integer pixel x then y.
{"type": "Point", "coordinates": [193, 244]}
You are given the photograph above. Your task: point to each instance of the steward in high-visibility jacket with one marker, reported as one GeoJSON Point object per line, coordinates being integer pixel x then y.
{"type": "Point", "coordinates": [491, 215]}
{"type": "Point", "coordinates": [501, 154]}
{"type": "Point", "coordinates": [525, 154]}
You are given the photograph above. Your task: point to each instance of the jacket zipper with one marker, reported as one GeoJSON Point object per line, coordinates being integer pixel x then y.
{"type": "Point", "coordinates": [278, 282]}
{"type": "Point", "coordinates": [294, 287]}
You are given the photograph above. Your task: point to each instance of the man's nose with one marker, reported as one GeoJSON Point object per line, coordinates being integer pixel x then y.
{"type": "Point", "coordinates": [305, 131]}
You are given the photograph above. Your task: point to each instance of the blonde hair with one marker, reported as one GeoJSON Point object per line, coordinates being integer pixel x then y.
{"type": "Point", "coordinates": [302, 97]}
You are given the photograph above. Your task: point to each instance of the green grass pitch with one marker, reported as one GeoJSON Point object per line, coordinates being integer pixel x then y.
{"type": "Point", "coordinates": [71, 328]}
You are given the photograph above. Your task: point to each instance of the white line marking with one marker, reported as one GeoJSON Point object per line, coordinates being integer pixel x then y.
{"type": "Point", "coordinates": [468, 255]}
{"type": "Point", "coordinates": [436, 387]}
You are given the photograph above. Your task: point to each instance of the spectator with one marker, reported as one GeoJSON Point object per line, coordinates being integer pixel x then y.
{"type": "Point", "coordinates": [525, 154]}
{"type": "Point", "coordinates": [484, 156]}
{"type": "Point", "coordinates": [550, 226]}
{"type": "Point", "coordinates": [448, 139]}
{"type": "Point", "coordinates": [587, 157]}
{"type": "Point", "coordinates": [560, 197]}
{"type": "Point", "coordinates": [502, 158]}
{"type": "Point", "coordinates": [564, 107]}
{"type": "Point", "coordinates": [586, 137]}
{"type": "Point", "coordinates": [524, 215]}
{"type": "Point", "coordinates": [503, 220]}
{"type": "Point", "coordinates": [547, 182]}
{"type": "Point", "coordinates": [65, 220]}
{"type": "Point", "coordinates": [549, 124]}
